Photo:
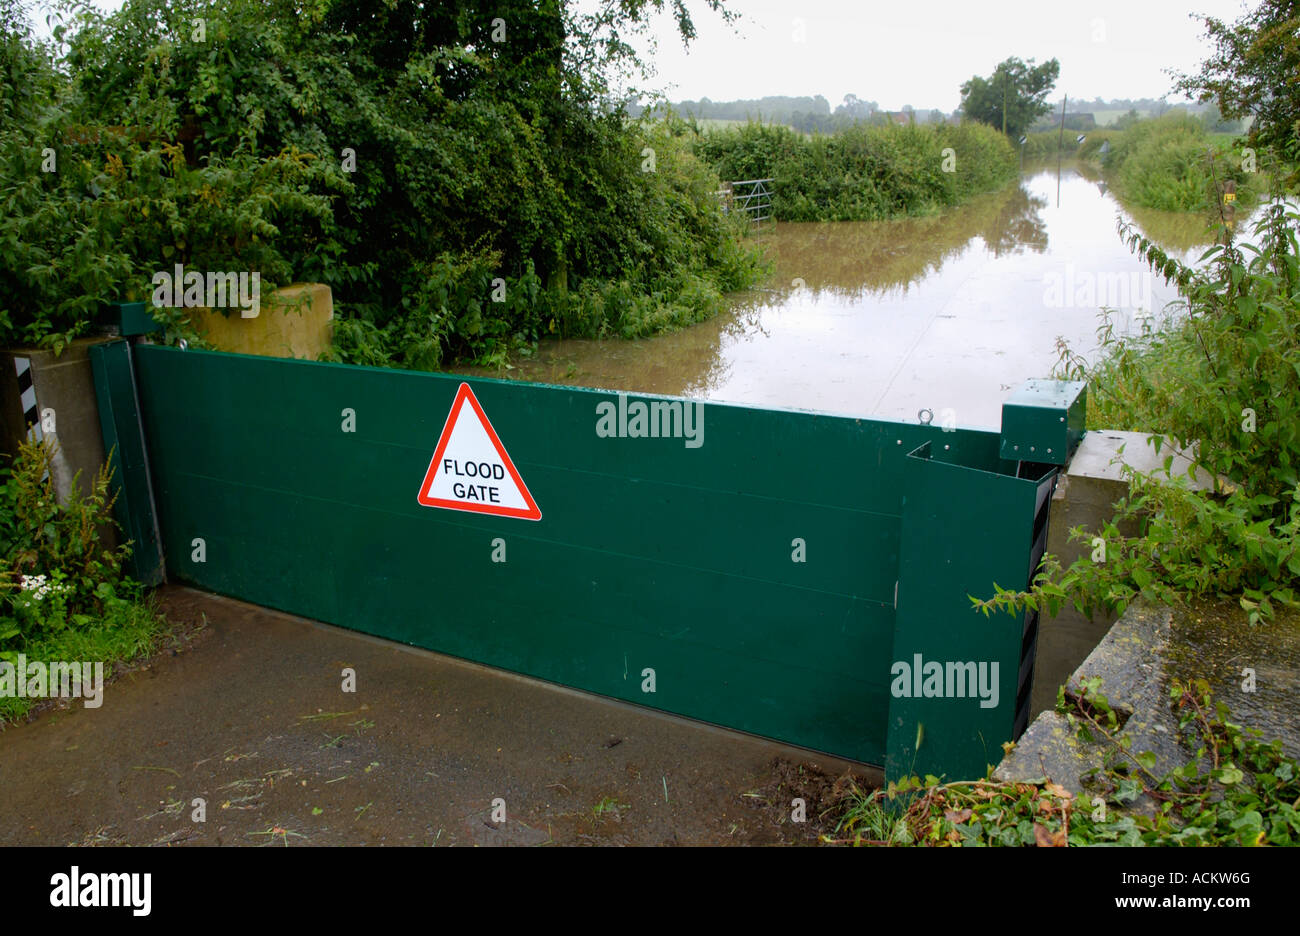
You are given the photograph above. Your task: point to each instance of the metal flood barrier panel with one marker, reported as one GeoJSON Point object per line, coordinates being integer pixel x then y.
{"type": "Point", "coordinates": [763, 570]}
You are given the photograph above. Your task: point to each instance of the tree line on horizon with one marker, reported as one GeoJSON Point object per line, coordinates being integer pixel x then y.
{"type": "Point", "coordinates": [814, 114]}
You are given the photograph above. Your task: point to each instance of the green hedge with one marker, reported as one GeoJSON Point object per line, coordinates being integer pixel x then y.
{"type": "Point", "coordinates": [863, 173]}
{"type": "Point", "coordinates": [1173, 165]}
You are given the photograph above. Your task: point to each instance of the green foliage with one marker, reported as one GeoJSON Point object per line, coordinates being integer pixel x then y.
{"type": "Point", "coordinates": [1221, 383]}
{"type": "Point", "coordinates": [57, 572]}
{"type": "Point", "coordinates": [1252, 73]}
{"type": "Point", "coordinates": [62, 592]}
{"type": "Point", "coordinates": [396, 151]}
{"type": "Point", "coordinates": [115, 213]}
{"type": "Point", "coordinates": [1234, 790]}
{"type": "Point", "coordinates": [668, 269]}
{"type": "Point", "coordinates": [129, 627]}
{"type": "Point", "coordinates": [1013, 97]}
{"type": "Point", "coordinates": [1049, 142]}
{"type": "Point", "coordinates": [1128, 119]}
{"type": "Point", "coordinates": [100, 193]}
{"type": "Point", "coordinates": [863, 173]}
{"type": "Point", "coordinates": [451, 308]}
{"type": "Point", "coordinates": [26, 73]}
{"type": "Point", "coordinates": [1172, 165]}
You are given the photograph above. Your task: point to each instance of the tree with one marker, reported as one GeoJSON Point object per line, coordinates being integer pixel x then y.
{"type": "Point", "coordinates": [1125, 121]}
{"type": "Point", "coordinates": [1252, 73]}
{"type": "Point", "coordinates": [407, 154]}
{"type": "Point", "coordinates": [1013, 97]}
{"type": "Point", "coordinates": [855, 108]}
{"type": "Point", "coordinates": [26, 74]}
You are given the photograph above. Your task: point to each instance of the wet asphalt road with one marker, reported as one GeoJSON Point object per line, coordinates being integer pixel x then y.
{"type": "Point", "coordinates": [248, 716]}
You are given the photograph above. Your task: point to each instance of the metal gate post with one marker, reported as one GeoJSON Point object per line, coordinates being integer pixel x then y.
{"type": "Point", "coordinates": [959, 681]}
{"type": "Point", "coordinates": [119, 420]}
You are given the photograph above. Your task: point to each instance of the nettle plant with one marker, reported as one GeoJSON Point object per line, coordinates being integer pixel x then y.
{"type": "Point", "coordinates": [1220, 382]}
{"type": "Point", "coordinates": [58, 572]}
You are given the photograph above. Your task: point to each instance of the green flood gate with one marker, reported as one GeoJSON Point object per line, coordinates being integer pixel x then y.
{"type": "Point", "coordinates": [790, 574]}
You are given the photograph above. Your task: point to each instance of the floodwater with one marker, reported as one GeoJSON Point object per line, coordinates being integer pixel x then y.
{"type": "Point", "coordinates": [949, 312]}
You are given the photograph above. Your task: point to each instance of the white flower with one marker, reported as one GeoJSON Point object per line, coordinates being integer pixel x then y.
{"type": "Point", "coordinates": [37, 585]}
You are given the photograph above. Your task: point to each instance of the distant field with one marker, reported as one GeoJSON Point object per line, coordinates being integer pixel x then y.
{"type": "Point", "coordinates": [1105, 118]}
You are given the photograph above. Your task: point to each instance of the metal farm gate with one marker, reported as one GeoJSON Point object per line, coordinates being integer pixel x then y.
{"type": "Point", "coordinates": [791, 574]}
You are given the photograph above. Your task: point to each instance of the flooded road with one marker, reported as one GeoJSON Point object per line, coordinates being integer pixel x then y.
{"type": "Point", "coordinates": [949, 312]}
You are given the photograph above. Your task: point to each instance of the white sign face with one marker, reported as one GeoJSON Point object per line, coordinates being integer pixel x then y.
{"type": "Point", "coordinates": [470, 469]}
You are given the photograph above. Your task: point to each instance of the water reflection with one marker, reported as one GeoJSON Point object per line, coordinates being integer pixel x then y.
{"type": "Point", "coordinates": [856, 259]}
{"type": "Point", "coordinates": [1019, 225]}
{"type": "Point", "coordinates": [1176, 230]}
{"type": "Point", "coordinates": [883, 318]}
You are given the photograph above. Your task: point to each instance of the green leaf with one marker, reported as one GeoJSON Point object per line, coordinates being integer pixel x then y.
{"type": "Point", "coordinates": [1228, 775]}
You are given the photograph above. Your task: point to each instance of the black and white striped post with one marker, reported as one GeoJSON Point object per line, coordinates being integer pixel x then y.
{"type": "Point", "coordinates": [27, 389]}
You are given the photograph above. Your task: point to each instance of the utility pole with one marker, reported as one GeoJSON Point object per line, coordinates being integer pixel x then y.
{"type": "Point", "coordinates": [1060, 141]}
{"type": "Point", "coordinates": [1004, 106]}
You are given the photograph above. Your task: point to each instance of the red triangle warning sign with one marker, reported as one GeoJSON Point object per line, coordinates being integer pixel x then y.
{"type": "Point", "coordinates": [470, 469]}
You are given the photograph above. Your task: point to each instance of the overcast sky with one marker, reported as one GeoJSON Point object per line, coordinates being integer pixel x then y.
{"type": "Point", "coordinates": [919, 52]}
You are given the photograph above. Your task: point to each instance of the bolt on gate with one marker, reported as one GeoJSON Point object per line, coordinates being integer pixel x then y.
{"type": "Point", "coordinates": [796, 575]}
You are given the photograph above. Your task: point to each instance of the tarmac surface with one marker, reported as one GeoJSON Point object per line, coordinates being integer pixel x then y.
{"type": "Point", "coordinates": [242, 721]}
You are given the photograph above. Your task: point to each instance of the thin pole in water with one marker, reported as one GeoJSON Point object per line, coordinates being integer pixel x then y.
{"type": "Point", "coordinates": [1060, 141]}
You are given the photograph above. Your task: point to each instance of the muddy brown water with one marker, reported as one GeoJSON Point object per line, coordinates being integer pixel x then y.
{"type": "Point", "coordinates": [880, 319]}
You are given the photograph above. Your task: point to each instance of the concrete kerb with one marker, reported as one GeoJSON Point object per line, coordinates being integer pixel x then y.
{"type": "Point", "coordinates": [1128, 662]}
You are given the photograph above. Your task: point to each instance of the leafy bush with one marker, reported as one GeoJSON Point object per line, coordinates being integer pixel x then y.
{"type": "Point", "coordinates": [1171, 164]}
{"type": "Point", "coordinates": [63, 595]}
{"type": "Point", "coordinates": [392, 151]}
{"type": "Point", "coordinates": [863, 173]}
{"type": "Point", "coordinates": [674, 266]}
{"type": "Point", "coordinates": [117, 211]}
{"type": "Point", "coordinates": [58, 572]}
